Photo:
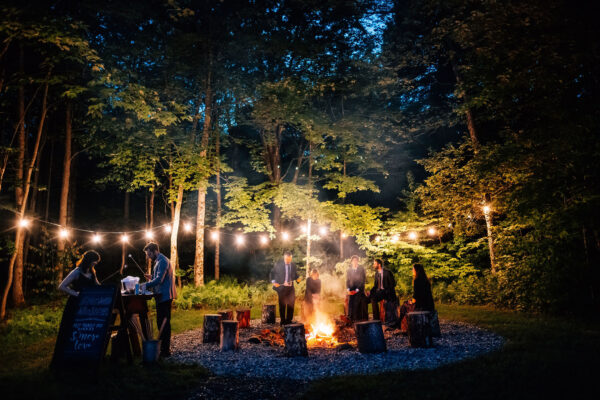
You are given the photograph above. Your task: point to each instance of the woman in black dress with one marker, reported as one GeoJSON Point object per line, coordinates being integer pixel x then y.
{"type": "Point", "coordinates": [312, 294]}
{"type": "Point", "coordinates": [84, 275]}
{"type": "Point", "coordinates": [422, 298]}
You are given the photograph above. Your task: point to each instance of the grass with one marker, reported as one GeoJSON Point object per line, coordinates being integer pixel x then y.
{"type": "Point", "coordinates": [544, 357]}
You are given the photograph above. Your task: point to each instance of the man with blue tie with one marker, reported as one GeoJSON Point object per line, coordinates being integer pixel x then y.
{"type": "Point", "coordinates": [283, 276]}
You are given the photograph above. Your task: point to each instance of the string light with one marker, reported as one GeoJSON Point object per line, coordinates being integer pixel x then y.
{"type": "Point", "coordinates": [486, 209]}
{"type": "Point", "coordinates": [239, 240]}
{"type": "Point", "coordinates": [264, 239]}
{"type": "Point", "coordinates": [24, 223]}
{"type": "Point", "coordinates": [377, 239]}
{"type": "Point", "coordinates": [149, 235]}
{"type": "Point", "coordinates": [395, 239]}
{"type": "Point", "coordinates": [214, 235]}
{"type": "Point", "coordinates": [168, 228]}
{"type": "Point", "coordinates": [431, 231]}
{"type": "Point", "coordinates": [344, 236]}
{"type": "Point", "coordinates": [285, 236]}
{"type": "Point", "coordinates": [412, 235]}
{"type": "Point", "coordinates": [323, 231]}
{"type": "Point", "coordinates": [96, 238]}
{"type": "Point", "coordinates": [187, 227]}
{"type": "Point", "coordinates": [304, 229]}
{"type": "Point", "coordinates": [124, 238]}
{"type": "Point", "coordinates": [63, 233]}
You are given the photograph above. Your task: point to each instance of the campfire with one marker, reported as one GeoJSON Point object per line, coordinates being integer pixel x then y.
{"type": "Point", "coordinates": [321, 331]}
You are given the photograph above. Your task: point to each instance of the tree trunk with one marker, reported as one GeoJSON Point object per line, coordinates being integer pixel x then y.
{"type": "Point", "coordinates": [201, 210]}
{"type": "Point", "coordinates": [19, 234]}
{"type": "Point", "coordinates": [211, 328]}
{"type": "Point", "coordinates": [295, 340]}
{"type": "Point", "coordinates": [419, 329]}
{"type": "Point", "coordinates": [49, 184]}
{"type": "Point", "coordinates": [308, 233]}
{"type": "Point", "coordinates": [230, 337]}
{"type": "Point", "coordinates": [151, 225]}
{"type": "Point", "coordinates": [175, 231]}
{"type": "Point", "coordinates": [64, 192]}
{"type": "Point", "coordinates": [268, 314]}
{"type": "Point", "coordinates": [243, 318]}
{"type": "Point", "coordinates": [33, 204]}
{"type": "Point", "coordinates": [369, 336]}
{"type": "Point", "coordinates": [488, 225]}
{"type": "Point", "coordinates": [218, 217]}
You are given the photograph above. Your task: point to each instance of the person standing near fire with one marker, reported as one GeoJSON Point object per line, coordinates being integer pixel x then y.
{"type": "Point", "coordinates": [283, 276]}
{"type": "Point", "coordinates": [384, 287]}
{"type": "Point", "coordinates": [312, 295]}
{"type": "Point", "coordinates": [358, 308]}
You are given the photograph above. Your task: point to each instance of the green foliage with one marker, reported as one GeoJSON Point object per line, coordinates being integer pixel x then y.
{"type": "Point", "coordinates": [224, 293]}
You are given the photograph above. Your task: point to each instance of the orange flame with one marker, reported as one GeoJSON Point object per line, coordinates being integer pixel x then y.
{"type": "Point", "coordinates": [321, 332]}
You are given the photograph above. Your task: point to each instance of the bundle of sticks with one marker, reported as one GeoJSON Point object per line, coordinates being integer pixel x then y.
{"type": "Point", "coordinates": [137, 325]}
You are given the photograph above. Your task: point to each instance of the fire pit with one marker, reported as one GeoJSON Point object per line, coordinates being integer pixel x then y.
{"type": "Point", "coordinates": [261, 351]}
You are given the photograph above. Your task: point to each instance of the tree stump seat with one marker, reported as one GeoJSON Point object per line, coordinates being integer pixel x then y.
{"type": "Point", "coordinates": [229, 338]}
{"type": "Point", "coordinates": [268, 314]}
{"type": "Point", "coordinates": [295, 340]}
{"type": "Point", "coordinates": [369, 336]}
{"type": "Point", "coordinates": [243, 318]}
{"type": "Point", "coordinates": [419, 329]}
{"type": "Point", "coordinates": [212, 328]}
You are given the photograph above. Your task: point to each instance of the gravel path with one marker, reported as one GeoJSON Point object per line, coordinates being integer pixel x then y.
{"type": "Point", "coordinates": [458, 341]}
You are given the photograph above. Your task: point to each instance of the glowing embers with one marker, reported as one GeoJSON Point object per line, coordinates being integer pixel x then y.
{"type": "Point", "coordinates": [321, 332]}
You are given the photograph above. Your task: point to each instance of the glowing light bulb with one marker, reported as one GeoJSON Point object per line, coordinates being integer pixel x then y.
{"type": "Point", "coordinates": [63, 233]}
{"type": "Point", "coordinates": [214, 235]}
{"type": "Point", "coordinates": [377, 239]}
{"type": "Point", "coordinates": [24, 223]}
{"type": "Point", "coordinates": [187, 227]}
{"type": "Point", "coordinates": [486, 209]}
{"type": "Point", "coordinates": [432, 231]}
{"type": "Point", "coordinates": [395, 239]}
{"type": "Point", "coordinates": [149, 235]}
{"type": "Point", "coordinates": [344, 236]}
{"type": "Point", "coordinates": [412, 235]}
{"type": "Point", "coordinates": [168, 228]}
{"type": "Point", "coordinates": [264, 239]}
{"type": "Point", "coordinates": [285, 236]}
{"type": "Point", "coordinates": [239, 240]}
{"type": "Point", "coordinates": [124, 238]}
{"type": "Point", "coordinates": [304, 229]}
{"type": "Point", "coordinates": [96, 238]}
{"type": "Point", "coordinates": [323, 231]}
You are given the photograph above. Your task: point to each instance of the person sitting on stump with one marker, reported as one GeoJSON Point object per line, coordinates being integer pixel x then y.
{"type": "Point", "coordinates": [384, 287]}
{"type": "Point", "coordinates": [422, 298]}
{"type": "Point", "coordinates": [283, 276]}
{"type": "Point", "coordinates": [358, 308]}
{"type": "Point", "coordinates": [312, 294]}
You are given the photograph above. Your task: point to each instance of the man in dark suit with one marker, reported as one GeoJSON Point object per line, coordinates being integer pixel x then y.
{"type": "Point", "coordinates": [384, 287]}
{"type": "Point", "coordinates": [283, 276]}
{"type": "Point", "coordinates": [355, 284]}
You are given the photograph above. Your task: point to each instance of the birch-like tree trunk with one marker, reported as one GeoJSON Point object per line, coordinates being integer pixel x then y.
{"type": "Point", "coordinates": [64, 191]}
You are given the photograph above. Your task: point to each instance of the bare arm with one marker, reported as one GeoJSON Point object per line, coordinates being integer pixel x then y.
{"type": "Point", "coordinates": [64, 285]}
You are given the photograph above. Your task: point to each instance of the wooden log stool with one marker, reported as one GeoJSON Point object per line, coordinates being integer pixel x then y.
{"type": "Point", "coordinates": [212, 328]}
{"type": "Point", "coordinates": [268, 314]}
{"type": "Point", "coordinates": [229, 338]}
{"type": "Point", "coordinates": [295, 340]}
{"type": "Point", "coordinates": [419, 329]}
{"type": "Point", "coordinates": [226, 315]}
{"type": "Point", "coordinates": [369, 335]}
{"type": "Point", "coordinates": [243, 318]}
{"type": "Point", "coordinates": [435, 324]}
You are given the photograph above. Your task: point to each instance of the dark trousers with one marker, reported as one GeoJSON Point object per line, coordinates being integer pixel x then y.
{"type": "Point", "coordinates": [358, 307]}
{"type": "Point", "coordinates": [287, 298]}
{"type": "Point", "coordinates": [163, 310]}
{"type": "Point", "coordinates": [376, 297]}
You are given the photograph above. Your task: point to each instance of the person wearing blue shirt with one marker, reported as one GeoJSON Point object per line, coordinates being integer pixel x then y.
{"type": "Point", "coordinates": [283, 276]}
{"type": "Point", "coordinates": [162, 283]}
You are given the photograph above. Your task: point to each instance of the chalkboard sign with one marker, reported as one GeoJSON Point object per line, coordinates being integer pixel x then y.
{"type": "Point", "coordinates": [83, 333]}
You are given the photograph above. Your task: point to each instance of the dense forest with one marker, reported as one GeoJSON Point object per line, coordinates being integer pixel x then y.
{"type": "Point", "coordinates": [459, 133]}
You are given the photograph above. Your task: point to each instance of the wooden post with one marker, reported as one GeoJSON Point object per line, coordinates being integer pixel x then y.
{"type": "Point", "coordinates": [226, 315]}
{"type": "Point", "coordinates": [295, 340]}
{"type": "Point", "coordinates": [268, 314]}
{"type": "Point", "coordinates": [229, 338]}
{"type": "Point", "coordinates": [369, 335]}
{"type": "Point", "coordinates": [243, 318]}
{"type": "Point", "coordinates": [435, 325]}
{"type": "Point", "coordinates": [419, 329]}
{"type": "Point", "coordinates": [212, 328]}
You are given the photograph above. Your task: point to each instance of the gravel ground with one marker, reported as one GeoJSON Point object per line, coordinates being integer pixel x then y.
{"type": "Point", "coordinates": [458, 341]}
